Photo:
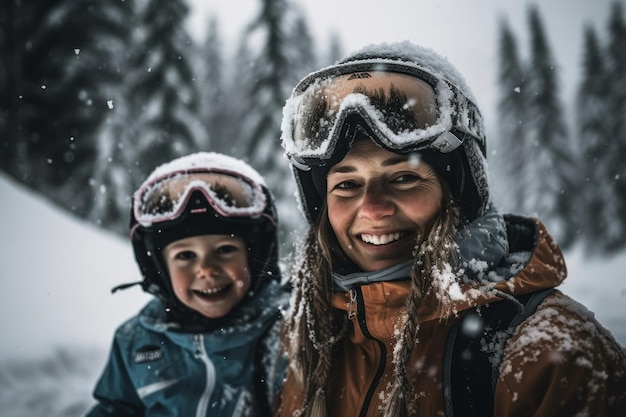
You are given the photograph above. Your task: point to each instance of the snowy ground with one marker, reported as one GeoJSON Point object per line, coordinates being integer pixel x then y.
{"type": "Point", "coordinates": [57, 314]}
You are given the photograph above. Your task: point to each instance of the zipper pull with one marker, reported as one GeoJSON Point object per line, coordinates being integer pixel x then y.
{"type": "Point", "coordinates": [352, 307]}
{"type": "Point", "coordinates": [197, 338]}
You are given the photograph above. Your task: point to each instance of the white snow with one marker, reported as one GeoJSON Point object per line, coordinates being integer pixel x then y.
{"type": "Point", "coordinates": [57, 276]}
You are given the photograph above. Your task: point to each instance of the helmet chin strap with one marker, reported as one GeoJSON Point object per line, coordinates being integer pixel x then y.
{"type": "Point", "coordinates": [125, 286]}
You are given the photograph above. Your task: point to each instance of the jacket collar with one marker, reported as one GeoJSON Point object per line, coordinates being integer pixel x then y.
{"type": "Point", "coordinates": [345, 283]}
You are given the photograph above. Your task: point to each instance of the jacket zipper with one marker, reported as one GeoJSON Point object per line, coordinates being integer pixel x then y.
{"type": "Point", "coordinates": [357, 307]}
{"type": "Point", "coordinates": [203, 402]}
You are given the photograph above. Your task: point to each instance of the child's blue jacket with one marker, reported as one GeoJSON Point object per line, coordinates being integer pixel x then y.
{"type": "Point", "coordinates": [154, 370]}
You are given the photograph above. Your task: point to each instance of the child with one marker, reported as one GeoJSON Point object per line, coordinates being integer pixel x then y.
{"type": "Point", "coordinates": [204, 233]}
{"type": "Point", "coordinates": [414, 296]}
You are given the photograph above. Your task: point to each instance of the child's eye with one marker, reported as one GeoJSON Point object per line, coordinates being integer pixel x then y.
{"type": "Point", "coordinates": [185, 255]}
{"type": "Point", "coordinates": [226, 249]}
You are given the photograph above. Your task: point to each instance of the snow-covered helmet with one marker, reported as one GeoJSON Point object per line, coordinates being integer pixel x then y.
{"type": "Point", "coordinates": [407, 99]}
{"type": "Point", "coordinates": [197, 194]}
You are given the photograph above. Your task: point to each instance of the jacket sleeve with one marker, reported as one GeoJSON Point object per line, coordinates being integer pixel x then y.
{"type": "Point", "coordinates": [561, 362]}
{"type": "Point", "coordinates": [114, 391]}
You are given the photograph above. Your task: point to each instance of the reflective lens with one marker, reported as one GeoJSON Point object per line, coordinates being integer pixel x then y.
{"type": "Point", "coordinates": [166, 198]}
{"type": "Point", "coordinates": [406, 110]}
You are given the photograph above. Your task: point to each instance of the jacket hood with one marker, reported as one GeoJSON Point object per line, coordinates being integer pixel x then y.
{"type": "Point", "coordinates": [518, 257]}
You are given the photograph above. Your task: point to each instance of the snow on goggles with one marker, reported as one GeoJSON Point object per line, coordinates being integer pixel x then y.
{"type": "Point", "coordinates": [405, 108]}
{"type": "Point", "coordinates": [166, 198]}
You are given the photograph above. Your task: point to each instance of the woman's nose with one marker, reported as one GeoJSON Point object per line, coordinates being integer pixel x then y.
{"type": "Point", "coordinates": [375, 204]}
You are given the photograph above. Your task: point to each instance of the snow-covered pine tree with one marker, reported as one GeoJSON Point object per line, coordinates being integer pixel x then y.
{"type": "Point", "coordinates": [335, 49]}
{"type": "Point", "coordinates": [597, 202]}
{"type": "Point", "coordinates": [155, 116]}
{"type": "Point", "coordinates": [163, 95]}
{"type": "Point", "coordinates": [615, 116]}
{"type": "Point", "coordinates": [553, 189]}
{"type": "Point", "coordinates": [215, 93]}
{"type": "Point", "coordinates": [512, 152]}
{"type": "Point", "coordinates": [59, 53]}
{"type": "Point", "coordinates": [270, 73]}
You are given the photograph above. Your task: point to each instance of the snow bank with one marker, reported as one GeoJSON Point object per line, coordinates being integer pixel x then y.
{"type": "Point", "coordinates": [599, 284]}
{"type": "Point", "coordinates": [57, 275]}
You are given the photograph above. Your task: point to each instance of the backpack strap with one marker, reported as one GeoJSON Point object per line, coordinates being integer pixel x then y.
{"type": "Point", "coordinates": [474, 350]}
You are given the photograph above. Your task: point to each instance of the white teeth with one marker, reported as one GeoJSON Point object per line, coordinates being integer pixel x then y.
{"type": "Point", "coordinates": [210, 291]}
{"type": "Point", "coordinates": [380, 239]}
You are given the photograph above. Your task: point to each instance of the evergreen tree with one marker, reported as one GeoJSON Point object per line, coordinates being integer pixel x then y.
{"type": "Point", "coordinates": [164, 91]}
{"type": "Point", "coordinates": [272, 73]}
{"type": "Point", "coordinates": [60, 53]}
{"type": "Point", "coordinates": [615, 116]}
{"type": "Point", "coordinates": [554, 194]}
{"type": "Point", "coordinates": [511, 158]}
{"type": "Point", "coordinates": [335, 49]}
{"type": "Point", "coordinates": [301, 54]}
{"type": "Point", "coordinates": [214, 93]}
{"type": "Point", "coordinates": [599, 207]}
{"type": "Point", "coordinates": [155, 118]}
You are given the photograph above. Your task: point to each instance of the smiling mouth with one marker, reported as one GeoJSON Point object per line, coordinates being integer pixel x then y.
{"type": "Point", "coordinates": [382, 239]}
{"type": "Point", "coordinates": [212, 292]}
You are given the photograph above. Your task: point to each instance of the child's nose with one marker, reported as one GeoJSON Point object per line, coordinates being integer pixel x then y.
{"type": "Point", "coordinates": [208, 270]}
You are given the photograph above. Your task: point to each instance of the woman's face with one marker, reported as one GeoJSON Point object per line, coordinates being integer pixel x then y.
{"type": "Point", "coordinates": [378, 202]}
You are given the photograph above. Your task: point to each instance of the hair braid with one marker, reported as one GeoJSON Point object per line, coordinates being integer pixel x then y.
{"type": "Point", "coordinates": [432, 251]}
{"type": "Point", "coordinates": [309, 329]}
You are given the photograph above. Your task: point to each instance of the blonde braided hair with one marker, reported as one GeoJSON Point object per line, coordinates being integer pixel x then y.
{"type": "Point", "coordinates": [433, 250]}
{"type": "Point", "coordinates": [312, 327]}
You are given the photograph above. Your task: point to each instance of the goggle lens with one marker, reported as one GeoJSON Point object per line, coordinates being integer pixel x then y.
{"type": "Point", "coordinates": [402, 103]}
{"type": "Point", "coordinates": [229, 195]}
{"type": "Point", "coordinates": [405, 109]}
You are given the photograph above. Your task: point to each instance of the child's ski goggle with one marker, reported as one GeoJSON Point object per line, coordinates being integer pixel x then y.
{"type": "Point", "coordinates": [403, 107]}
{"type": "Point", "coordinates": [229, 194]}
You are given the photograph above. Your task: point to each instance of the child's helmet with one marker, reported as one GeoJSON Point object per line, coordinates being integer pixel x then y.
{"type": "Point", "coordinates": [198, 194]}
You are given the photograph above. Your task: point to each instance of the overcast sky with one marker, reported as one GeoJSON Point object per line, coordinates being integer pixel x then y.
{"type": "Point", "coordinates": [465, 31]}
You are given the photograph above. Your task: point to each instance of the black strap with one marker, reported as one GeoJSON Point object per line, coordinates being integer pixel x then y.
{"type": "Point", "coordinates": [473, 353]}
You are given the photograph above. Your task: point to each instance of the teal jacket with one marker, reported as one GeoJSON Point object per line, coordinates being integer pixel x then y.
{"type": "Point", "coordinates": [154, 370]}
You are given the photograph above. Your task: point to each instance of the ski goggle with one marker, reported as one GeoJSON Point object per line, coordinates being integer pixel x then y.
{"type": "Point", "coordinates": [167, 197]}
{"type": "Point", "coordinates": [404, 108]}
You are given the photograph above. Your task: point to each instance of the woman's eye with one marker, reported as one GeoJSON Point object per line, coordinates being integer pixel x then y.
{"type": "Point", "coordinates": [346, 185]}
{"type": "Point", "coordinates": [406, 178]}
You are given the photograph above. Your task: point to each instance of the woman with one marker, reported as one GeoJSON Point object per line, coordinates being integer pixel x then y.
{"type": "Point", "coordinates": [413, 296]}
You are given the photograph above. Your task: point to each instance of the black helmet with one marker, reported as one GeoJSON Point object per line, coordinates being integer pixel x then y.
{"type": "Point", "coordinates": [435, 114]}
{"type": "Point", "coordinates": [202, 193]}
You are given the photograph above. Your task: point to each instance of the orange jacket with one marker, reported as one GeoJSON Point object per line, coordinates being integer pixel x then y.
{"type": "Point", "coordinates": [559, 362]}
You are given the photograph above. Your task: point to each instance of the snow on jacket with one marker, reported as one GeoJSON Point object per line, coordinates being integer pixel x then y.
{"type": "Point", "coordinates": [154, 370]}
{"type": "Point", "coordinates": [560, 362]}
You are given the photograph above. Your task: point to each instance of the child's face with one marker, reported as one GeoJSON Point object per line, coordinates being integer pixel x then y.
{"type": "Point", "coordinates": [378, 203]}
{"type": "Point", "coordinates": [209, 273]}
